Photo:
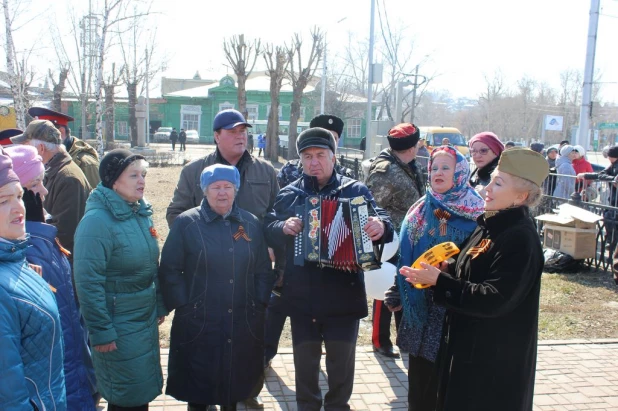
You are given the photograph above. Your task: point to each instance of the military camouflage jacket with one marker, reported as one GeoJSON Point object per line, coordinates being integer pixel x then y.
{"type": "Point", "coordinates": [395, 186]}
{"type": "Point", "coordinates": [293, 170]}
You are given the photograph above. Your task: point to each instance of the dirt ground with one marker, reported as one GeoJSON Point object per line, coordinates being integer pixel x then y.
{"type": "Point", "coordinates": [583, 305]}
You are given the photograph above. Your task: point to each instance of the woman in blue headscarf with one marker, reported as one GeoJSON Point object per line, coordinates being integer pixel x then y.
{"type": "Point", "coordinates": [447, 212]}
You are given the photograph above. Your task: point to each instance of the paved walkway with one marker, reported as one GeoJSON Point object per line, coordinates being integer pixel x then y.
{"type": "Point", "coordinates": [571, 375]}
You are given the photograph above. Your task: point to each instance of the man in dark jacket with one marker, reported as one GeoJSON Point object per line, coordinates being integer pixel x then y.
{"type": "Point", "coordinates": [258, 187]}
{"type": "Point", "coordinates": [82, 153]}
{"type": "Point", "coordinates": [174, 138]}
{"type": "Point", "coordinates": [324, 304]}
{"type": "Point", "coordinates": [293, 169]}
{"type": "Point", "coordinates": [182, 139]}
{"type": "Point", "coordinates": [610, 217]}
{"type": "Point", "coordinates": [397, 182]}
{"type": "Point", "coordinates": [66, 183]}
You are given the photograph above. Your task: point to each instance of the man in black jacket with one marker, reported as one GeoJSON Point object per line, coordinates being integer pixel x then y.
{"type": "Point", "coordinates": [174, 138]}
{"type": "Point", "coordinates": [324, 304]}
{"type": "Point", "coordinates": [182, 139]}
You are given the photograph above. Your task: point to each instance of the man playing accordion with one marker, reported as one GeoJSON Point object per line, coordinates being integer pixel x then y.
{"type": "Point", "coordinates": [324, 304]}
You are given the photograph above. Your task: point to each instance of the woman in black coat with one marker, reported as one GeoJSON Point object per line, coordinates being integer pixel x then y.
{"type": "Point", "coordinates": [216, 273]}
{"type": "Point", "coordinates": [488, 353]}
{"type": "Point", "coordinates": [485, 150]}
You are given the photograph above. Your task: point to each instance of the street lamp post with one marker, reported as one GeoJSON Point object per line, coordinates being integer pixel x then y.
{"type": "Point", "coordinates": [368, 137]}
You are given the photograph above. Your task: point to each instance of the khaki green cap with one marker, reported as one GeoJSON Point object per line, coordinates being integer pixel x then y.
{"type": "Point", "coordinates": [42, 130]}
{"type": "Point", "coordinates": [524, 163]}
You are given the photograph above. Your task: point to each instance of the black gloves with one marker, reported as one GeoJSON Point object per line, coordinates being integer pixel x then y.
{"type": "Point", "coordinates": [34, 206]}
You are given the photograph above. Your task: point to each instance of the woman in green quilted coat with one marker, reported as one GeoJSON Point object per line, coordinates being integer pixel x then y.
{"type": "Point", "coordinates": [115, 265]}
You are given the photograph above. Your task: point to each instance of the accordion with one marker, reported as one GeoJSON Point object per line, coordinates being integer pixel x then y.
{"type": "Point", "coordinates": [333, 234]}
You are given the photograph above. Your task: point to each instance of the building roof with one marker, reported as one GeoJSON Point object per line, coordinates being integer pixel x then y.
{"type": "Point", "coordinates": [255, 83]}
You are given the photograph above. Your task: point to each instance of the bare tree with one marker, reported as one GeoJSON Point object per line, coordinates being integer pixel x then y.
{"type": "Point", "coordinates": [135, 46]}
{"type": "Point", "coordinates": [59, 86]}
{"type": "Point", "coordinates": [19, 76]}
{"type": "Point", "coordinates": [276, 63]}
{"type": "Point", "coordinates": [299, 75]}
{"type": "Point", "coordinates": [242, 57]}
{"type": "Point", "coordinates": [112, 81]}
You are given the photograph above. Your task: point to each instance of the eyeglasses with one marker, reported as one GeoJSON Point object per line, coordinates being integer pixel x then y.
{"type": "Point", "coordinates": [482, 151]}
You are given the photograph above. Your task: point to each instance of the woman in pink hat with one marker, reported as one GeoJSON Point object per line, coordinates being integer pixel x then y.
{"type": "Point", "coordinates": [46, 252]}
{"type": "Point", "coordinates": [485, 149]}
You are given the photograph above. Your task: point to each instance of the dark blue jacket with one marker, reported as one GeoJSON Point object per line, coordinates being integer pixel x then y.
{"type": "Point", "coordinates": [324, 294]}
{"type": "Point", "coordinates": [31, 363]}
{"type": "Point", "coordinates": [218, 281]}
{"type": "Point", "coordinates": [78, 368]}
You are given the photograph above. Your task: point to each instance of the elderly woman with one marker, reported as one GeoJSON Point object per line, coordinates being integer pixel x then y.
{"type": "Point", "coordinates": [216, 273]}
{"type": "Point", "coordinates": [488, 357]}
{"type": "Point", "coordinates": [116, 263]}
{"type": "Point", "coordinates": [485, 149]}
{"type": "Point", "coordinates": [447, 212]}
{"type": "Point", "coordinates": [47, 253]}
{"type": "Point", "coordinates": [564, 167]}
{"type": "Point", "coordinates": [30, 333]}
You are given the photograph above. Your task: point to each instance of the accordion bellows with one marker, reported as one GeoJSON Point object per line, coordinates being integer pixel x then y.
{"type": "Point", "coordinates": [333, 234]}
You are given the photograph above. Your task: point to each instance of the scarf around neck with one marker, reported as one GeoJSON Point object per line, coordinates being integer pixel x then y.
{"type": "Point", "coordinates": [434, 219]}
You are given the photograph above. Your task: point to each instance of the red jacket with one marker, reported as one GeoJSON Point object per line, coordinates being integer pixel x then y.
{"type": "Point", "coordinates": [581, 165]}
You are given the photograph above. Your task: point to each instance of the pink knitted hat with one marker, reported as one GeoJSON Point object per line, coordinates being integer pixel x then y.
{"type": "Point", "coordinates": [27, 163]}
{"type": "Point", "coordinates": [490, 140]}
{"type": "Point", "coordinates": [7, 175]}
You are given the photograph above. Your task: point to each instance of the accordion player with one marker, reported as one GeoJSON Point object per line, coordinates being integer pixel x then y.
{"type": "Point", "coordinates": [333, 234]}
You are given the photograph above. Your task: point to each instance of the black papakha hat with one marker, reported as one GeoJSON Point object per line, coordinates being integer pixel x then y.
{"type": "Point", "coordinates": [114, 163]}
{"type": "Point", "coordinates": [329, 122]}
{"type": "Point", "coordinates": [403, 136]}
{"type": "Point", "coordinates": [316, 137]}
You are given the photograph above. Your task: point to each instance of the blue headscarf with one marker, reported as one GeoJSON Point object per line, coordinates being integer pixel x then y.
{"type": "Point", "coordinates": [422, 229]}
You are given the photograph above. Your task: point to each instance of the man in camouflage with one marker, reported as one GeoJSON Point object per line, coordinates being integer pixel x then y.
{"type": "Point", "coordinates": [397, 181]}
{"type": "Point", "coordinates": [293, 169]}
{"type": "Point", "coordinates": [82, 153]}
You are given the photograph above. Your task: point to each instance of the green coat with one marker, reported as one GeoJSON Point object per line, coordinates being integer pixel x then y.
{"type": "Point", "coordinates": [115, 265]}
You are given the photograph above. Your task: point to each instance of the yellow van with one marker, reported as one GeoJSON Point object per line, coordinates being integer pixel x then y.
{"type": "Point", "coordinates": [435, 135]}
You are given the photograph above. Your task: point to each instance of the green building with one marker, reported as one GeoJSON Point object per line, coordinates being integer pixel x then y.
{"type": "Point", "coordinates": [194, 108]}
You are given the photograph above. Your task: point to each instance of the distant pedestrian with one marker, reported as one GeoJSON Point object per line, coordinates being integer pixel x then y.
{"type": "Point", "coordinates": [509, 144]}
{"type": "Point", "coordinates": [565, 183]}
{"type": "Point", "coordinates": [174, 138]}
{"type": "Point", "coordinates": [250, 142]}
{"type": "Point", "coordinates": [182, 139]}
{"type": "Point", "coordinates": [363, 143]}
{"type": "Point", "coordinates": [261, 144]}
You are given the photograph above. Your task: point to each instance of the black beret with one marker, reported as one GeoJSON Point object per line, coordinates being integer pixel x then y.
{"type": "Point", "coordinates": [613, 152]}
{"type": "Point", "coordinates": [315, 137]}
{"type": "Point", "coordinates": [329, 122]}
{"type": "Point", "coordinates": [114, 163]}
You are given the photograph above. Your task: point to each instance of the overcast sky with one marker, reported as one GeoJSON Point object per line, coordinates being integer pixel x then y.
{"type": "Point", "coordinates": [464, 39]}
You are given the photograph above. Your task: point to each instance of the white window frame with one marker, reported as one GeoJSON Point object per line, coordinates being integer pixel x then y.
{"type": "Point", "coordinates": [253, 112]}
{"type": "Point", "coordinates": [123, 128]}
{"type": "Point", "coordinates": [191, 110]}
{"type": "Point", "coordinates": [226, 106]}
{"type": "Point", "coordinates": [354, 128]}
{"type": "Point", "coordinates": [280, 112]}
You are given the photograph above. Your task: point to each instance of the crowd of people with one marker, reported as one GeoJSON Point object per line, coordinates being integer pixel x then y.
{"type": "Point", "coordinates": [84, 286]}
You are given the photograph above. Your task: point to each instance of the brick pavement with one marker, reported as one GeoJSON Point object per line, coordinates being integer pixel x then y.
{"type": "Point", "coordinates": [571, 375]}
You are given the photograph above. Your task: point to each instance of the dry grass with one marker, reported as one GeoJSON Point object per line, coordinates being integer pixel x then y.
{"type": "Point", "coordinates": [583, 305]}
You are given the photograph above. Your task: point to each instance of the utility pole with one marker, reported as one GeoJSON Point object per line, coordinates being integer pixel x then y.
{"type": "Point", "coordinates": [416, 85]}
{"type": "Point", "coordinates": [585, 112]}
{"type": "Point", "coordinates": [323, 81]}
{"type": "Point", "coordinates": [368, 139]}
{"type": "Point", "coordinates": [148, 101]}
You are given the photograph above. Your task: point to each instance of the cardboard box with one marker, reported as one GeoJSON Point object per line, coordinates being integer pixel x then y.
{"type": "Point", "coordinates": [572, 230]}
{"type": "Point", "coordinates": [579, 243]}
